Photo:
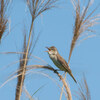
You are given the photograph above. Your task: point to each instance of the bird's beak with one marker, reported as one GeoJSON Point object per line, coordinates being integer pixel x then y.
{"type": "Point", "coordinates": [48, 49]}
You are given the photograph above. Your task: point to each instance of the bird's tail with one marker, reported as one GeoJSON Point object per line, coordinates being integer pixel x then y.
{"type": "Point", "coordinates": [73, 77]}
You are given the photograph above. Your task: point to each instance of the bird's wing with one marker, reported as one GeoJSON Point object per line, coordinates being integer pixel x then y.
{"type": "Point", "coordinates": [64, 63]}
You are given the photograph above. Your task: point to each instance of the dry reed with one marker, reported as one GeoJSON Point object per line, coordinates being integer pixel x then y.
{"type": "Point", "coordinates": [83, 23]}
{"type": "Point", "coordinates": [36, 7]}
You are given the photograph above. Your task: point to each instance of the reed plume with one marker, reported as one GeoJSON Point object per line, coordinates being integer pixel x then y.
{"type": "Point", "coordinates": [83, 22]}
{"type": "Point", "coordinates": [3, 18]}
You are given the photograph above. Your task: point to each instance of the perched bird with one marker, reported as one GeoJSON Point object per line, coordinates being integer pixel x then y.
{"type": "Point", "coordinates": [59, 61]}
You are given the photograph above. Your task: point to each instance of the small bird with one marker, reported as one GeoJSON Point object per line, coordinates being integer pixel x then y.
{"type": "Point", "coordinates": [59, 61]}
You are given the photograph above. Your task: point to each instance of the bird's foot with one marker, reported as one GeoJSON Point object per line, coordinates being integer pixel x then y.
{"type": "Point", "coordinates": [55, 71]}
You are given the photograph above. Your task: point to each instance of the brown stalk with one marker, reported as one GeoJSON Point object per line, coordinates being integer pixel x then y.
{"type": "Point", "coordinates": [82, 24]}
{"type": "Point", "coordinates": [3, 19]}
{"type": "Point", "coordinates": [36, 7]}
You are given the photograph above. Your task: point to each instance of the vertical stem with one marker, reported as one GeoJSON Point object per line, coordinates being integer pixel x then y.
{"type": "Point", "coordinates": [24, 67]}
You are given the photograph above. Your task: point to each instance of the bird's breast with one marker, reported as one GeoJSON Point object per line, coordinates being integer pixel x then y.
{"type": "Point", "coordinates": [53, 57]}
{"type": "Point", "coordinates": [56, 62]}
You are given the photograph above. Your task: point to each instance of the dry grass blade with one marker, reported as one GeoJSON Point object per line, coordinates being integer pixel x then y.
{"type": "Point", "coordinates": [35, 67]}
{"type": "Point", "coordinates": [27, 93]}
{"type": "Point", "coordinates": [3, 19]}
{"type": "Point", "coordinates": [82, 22]}
{"type": "Point", "coordinates": [83, 92]}
{"type": "Point", "coordinates": [38, 58]}
{"type": "Point", "coordinates": [48, 76]}
{"type": "Point", "coordinates": [69, 97]}
{"type": "Point", "coordinates": [13, 76]}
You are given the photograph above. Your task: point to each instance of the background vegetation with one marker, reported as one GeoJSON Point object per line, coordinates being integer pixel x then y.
{"type": "Point", "coordinates": [22, 66]}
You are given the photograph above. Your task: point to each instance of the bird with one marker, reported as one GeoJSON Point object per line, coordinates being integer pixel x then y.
{"type": "Point", "coordinates": [59, 61]}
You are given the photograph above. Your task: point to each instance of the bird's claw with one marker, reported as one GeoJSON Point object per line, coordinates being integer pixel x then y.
{"type": "Point", "coordinates": [55, 71]}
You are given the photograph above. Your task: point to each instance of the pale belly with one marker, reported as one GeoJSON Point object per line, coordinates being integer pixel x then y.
{"type": "Point", "coordinates": [54, 59]}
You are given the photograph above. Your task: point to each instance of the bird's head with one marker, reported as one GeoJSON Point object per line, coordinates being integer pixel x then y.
{"type": "Point", "coordinates": [52, 50]}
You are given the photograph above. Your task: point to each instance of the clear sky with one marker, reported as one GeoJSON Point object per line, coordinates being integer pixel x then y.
{"type": "Point", "coordinates": [56, 29]}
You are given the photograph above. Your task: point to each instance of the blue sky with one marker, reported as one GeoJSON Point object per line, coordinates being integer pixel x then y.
{"type": "Point", "coordinates": [56, 29]}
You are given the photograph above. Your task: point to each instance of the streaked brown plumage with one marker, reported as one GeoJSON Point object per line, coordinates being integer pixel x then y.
{"type": "Point", "coordinates": [59, 61]}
